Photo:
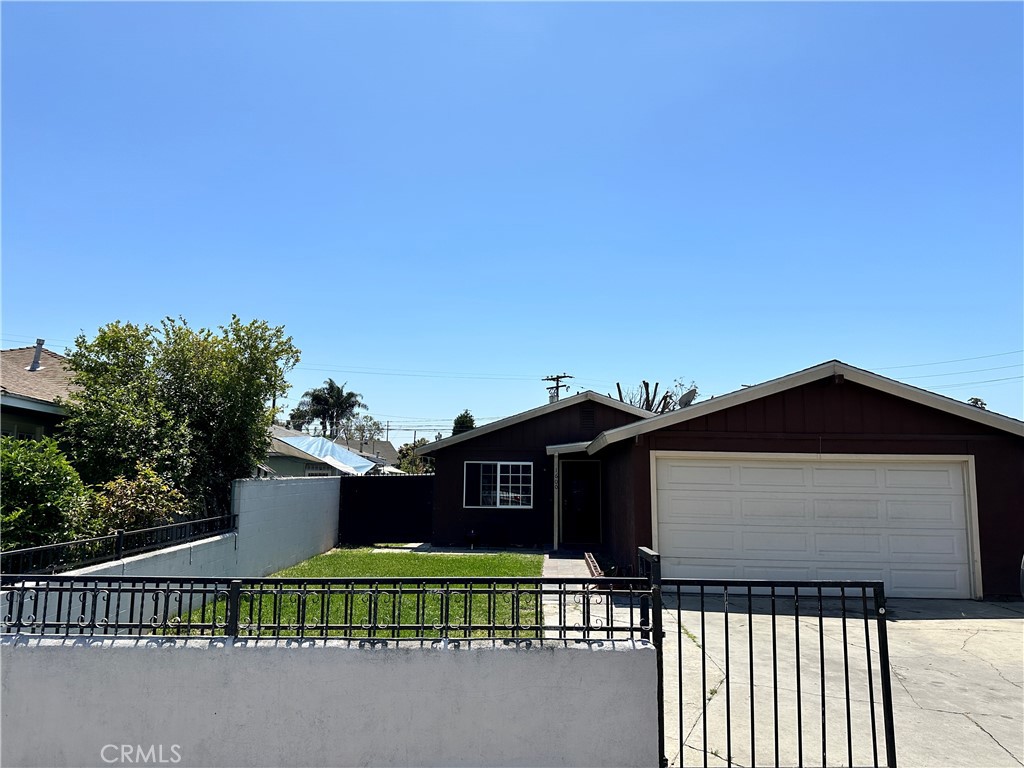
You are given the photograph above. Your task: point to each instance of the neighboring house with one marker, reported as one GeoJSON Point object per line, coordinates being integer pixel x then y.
{"type": "Point", "coordinates": [380, 450]}
{"type": "Point", "coordinates": [31, 379]}
{"type": "Point", "coordinates": [830, 473]}
{"type": "Point", "coordinates": [296, 454]}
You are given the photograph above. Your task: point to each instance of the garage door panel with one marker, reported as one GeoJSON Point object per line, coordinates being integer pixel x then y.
{"type": "Point", "coordinates": [901, 523]}
{"type": "Point", "coordinates": [690, 475]}
{"type": "Point", "coordinates": [701, 569]}
{"type": "Point", "coordinates": [855, 571]}
{"type": "Point", "coordinates": [846, 477]}
{"type": "Point", "coordinates": [753, 476]}
{"type": "Point", "coordinates": [923, 581]}
{"type": "Point", "coordinates": [917, 512]}
{"type": "Point", "coordinates": [865, 545]}
{"type": "Point", "coordinates": [680, 506]}
{"type": "Point", "coordinates": [924, 479]}
{"type": "Point", "coordinates": [848, 509]}
{"type": "Point", "coordinates": [773, 509]}
{"type": "Point", "coordinates": [914, 545]}
{"type": "Point", "coordinates": [755, 543]}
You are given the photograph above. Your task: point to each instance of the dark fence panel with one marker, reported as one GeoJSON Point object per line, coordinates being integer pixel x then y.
{"type": "Point", "coordinates": [366, 610]}
{"type": "Point", "coordinates": [65, 556]}
{"type": "Point", "coordinates": [386, 508]}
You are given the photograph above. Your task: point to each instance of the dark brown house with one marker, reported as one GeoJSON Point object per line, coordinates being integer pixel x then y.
{"type": "Point", "coordinates": [831, 472]}
{"type": "Point", "coordinates": [527, 480]}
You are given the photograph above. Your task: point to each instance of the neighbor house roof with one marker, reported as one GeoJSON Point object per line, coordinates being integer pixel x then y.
{"type": "Point", "coordinates": [296, 444]}
{"type": "Point", "coordinates": [806, 376]}
{"type": "Point", "coordinates": [532, 414]}
{"type": "Point", "coordinates": [380, 449]}
{"type": "Point", "coordinates": [40, 387]}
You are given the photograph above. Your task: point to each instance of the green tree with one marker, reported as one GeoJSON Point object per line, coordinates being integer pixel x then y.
{"type": "Point", "coordinates": [409, 462]}
{"type": "Point", "coordinates": [362, 428]}
{"type": "Point", "coordinates": [330, 404]}
{"type": "Point", "coordinates": [42, 498]}
{"type": "Point", "coordinates": [193, 405]}
{"type": "Point", "coordinates": [463, 423]}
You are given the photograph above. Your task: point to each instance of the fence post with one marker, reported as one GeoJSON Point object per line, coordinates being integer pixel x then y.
{"type": "Point", "coordinates": [883, 656]}
{"type": "Point", "coordinates": [653, 561]}
{"type": "Point", "coordinates": [234, 599]}
{"type": "Point", "coordinates": [119, 544]}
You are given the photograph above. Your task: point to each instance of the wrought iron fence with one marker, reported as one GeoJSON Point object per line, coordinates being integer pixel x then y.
{"type": "Point", "coordinates": [459, 609]}
{"type": "Point", "coordinates": [53, 558]}
{"type": "Point", "coordinates": [757, 672]}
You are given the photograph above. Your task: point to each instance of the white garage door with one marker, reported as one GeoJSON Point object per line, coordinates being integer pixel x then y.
{"type": "Point", "coordinates": [898, 522]}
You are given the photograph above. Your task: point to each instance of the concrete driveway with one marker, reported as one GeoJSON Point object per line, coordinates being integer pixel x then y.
{"type": "Point", "coordinates": [957, 671]}
{"type": "Point", "coordinates": [958, 682]}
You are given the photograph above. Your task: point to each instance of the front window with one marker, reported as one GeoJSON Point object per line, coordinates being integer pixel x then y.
{"type": "Point", "coordinates": [499, 484]}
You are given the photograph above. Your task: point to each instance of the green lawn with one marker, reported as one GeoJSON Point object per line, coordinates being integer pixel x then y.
{"type": "Point", "coordinates": [379, 605]}
{"type": "Point", "coordinates": [365, 562]}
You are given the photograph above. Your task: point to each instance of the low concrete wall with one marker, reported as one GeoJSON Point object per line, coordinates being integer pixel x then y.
{"type": "Point", "coordinates": [280, 523]}
{"type": "Point", "coordinates": [324, 703]}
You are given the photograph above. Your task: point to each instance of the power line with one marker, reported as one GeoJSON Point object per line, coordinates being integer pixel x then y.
{"type": "Point", "coordinates": [944, 362]}
{"type": "Point", "coordinates": [958, 373]}
{"type": "Point", "coordinates": [973, 383]}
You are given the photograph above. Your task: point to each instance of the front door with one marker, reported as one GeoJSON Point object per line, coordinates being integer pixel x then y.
{"type": "Point", "coordinates": [581, 502]}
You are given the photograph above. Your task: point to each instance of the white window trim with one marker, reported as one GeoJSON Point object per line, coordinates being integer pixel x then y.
{"type": "Point", "coordinates": [498, 465]}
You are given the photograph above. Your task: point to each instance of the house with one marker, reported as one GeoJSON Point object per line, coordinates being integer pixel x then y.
{"type": "Point", "coordinates": [832, 472]}
{"type": "Point", "coordinates": [526, 480]}
{"type": "Point", "coordinates": [382, 451]}
{"type": "Point", "coordinates": [296, 454]}
{"type": "Point", "coordinates": [31, 380]}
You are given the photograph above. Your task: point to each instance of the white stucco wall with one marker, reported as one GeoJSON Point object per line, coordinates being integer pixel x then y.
{"type": "Point", "coordinates": [280, 523]}
{"type": "Point", "coordinates": [323, 703]}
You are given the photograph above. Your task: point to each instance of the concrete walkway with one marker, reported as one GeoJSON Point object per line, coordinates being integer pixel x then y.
{"type": "Point", "coordinates": [565, 565]}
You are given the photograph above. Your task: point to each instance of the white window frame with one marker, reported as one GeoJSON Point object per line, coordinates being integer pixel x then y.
{"type": "Point", "coordinates": [498, 467]}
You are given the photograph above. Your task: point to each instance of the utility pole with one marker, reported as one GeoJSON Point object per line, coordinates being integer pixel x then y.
{"type": "Point", "coordinates": [557, 385]}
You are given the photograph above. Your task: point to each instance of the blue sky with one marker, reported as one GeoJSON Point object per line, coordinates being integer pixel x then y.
{"type": "Point", "coordinates": [443, 203]}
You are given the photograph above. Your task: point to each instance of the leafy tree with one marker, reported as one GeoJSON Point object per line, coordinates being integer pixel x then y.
{"type": "Point", "coordinates": [42, 498]}
{"type": "Point", "coordinates": [192, 405]}
{"type": "Point", "coordinates": [409, 462]}
{"type": "Point", "coordinates": [362, 428]}
{"type": "Point", "coordinates": [330, 404]}
{"type": "Point", "coordinates": [977, 402]}
{"type": "Point", "coordinates": [145, 502]}
{"type": "Point", "coordinates": [678, 396]}
{"type": "Point", "coordinates": [463, 423]}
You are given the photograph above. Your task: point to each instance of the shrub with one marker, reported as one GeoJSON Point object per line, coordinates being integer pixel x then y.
{"type": "Point", "coordinates": [42, 498]}
{"type": "Point", "coordinates": [145, 502]}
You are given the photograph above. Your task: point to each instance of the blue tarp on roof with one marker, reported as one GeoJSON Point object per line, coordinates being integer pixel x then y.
{"type": "Point", "coordinates": [322, 447]}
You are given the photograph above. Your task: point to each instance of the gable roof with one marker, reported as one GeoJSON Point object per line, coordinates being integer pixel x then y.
{"type": "Point", "coordinates": [45, 384]}
{"type": "Point", "coordinates": [806, 376]}
{"type": "Point", "coordinates": [533, 413]}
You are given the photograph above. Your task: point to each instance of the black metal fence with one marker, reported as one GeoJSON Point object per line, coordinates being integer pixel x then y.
{"type": "Point", "coordinates": [366, 610]}
{"type": "Point", "coordinates": [772, 672]}
{"type": "Point", "coordinates": [64, 556]}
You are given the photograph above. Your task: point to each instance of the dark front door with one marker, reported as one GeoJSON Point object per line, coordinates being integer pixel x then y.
{"type": "Point", "coordinates": [581, 502]}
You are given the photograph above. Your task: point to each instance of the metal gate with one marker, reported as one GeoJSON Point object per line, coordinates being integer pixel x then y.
{"type": "Point", "coordinates": [771, 673]}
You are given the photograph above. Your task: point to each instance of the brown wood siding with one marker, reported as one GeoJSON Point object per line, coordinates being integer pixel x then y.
{"type": "Point", "coordinates": [835, 418]}
{"type": "Point", "coordinates": [525, 441]}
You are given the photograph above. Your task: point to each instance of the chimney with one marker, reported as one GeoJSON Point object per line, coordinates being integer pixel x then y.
{"type": "Point", "coordinates": [35, 358]}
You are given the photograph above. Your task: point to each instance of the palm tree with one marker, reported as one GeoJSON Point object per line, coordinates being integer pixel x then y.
{"type": "Point", "coordinates": [329, 404]}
